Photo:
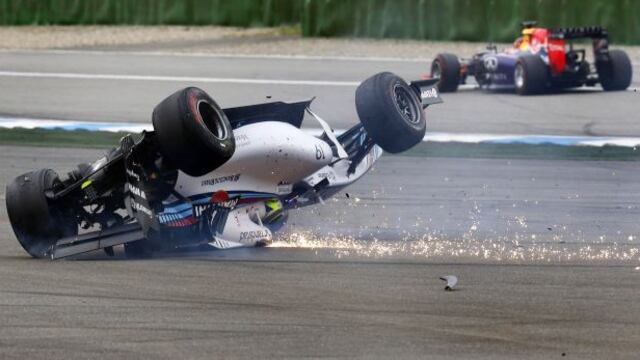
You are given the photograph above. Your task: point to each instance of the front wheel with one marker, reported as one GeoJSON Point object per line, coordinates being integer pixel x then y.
{"type": "Point", "coordinates": [391, 113]}
{"type": "Point", "coordinates": [36, 222]}
{"type": "Point", "coordinates": [531, 75]}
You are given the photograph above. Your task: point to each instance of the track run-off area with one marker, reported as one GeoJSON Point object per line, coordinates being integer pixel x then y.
{"type": "Point", "coordinates": [546, 248]}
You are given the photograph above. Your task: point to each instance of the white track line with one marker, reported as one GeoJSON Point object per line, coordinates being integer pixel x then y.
{"type": "Point", "coordinates": [192, 79]}
{"type": "Point", "coordinates": [219, 55]}
{"type": "Point", "coordinates": [533, 139]}
{"type": "Point", "coordinates": [223, 55]}
{"type": "Point", "coordinates": [175, 79]}
{"type": "Point", "coordinates": [439, 137]}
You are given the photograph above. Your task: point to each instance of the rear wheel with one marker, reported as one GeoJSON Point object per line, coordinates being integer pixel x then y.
{"type": "Point", "coordinates": [37, 223]}
{"type": "Point", "coordinates": [615, 75]}
{"type": "Point", "coordinates": [446, 68]}
{"type": "Point", "coordinates": [531, 75]}
{"type": "Point", "coordinates": [193, 132]}
{"type": "Point", "coordinates": [390, 112]}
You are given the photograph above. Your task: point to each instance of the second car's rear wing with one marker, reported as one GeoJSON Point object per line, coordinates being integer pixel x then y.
{"type": "Point", "coordinates": [594, 32]}
{"type": "Point", "coordinates": [427, 91]}
{"type": "Point", "coordinates": [598, 35]}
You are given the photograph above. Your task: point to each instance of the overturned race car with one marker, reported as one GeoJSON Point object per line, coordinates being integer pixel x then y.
{"type": "Point", "coordinates": [212, 177]}
{"type": "Point", "coordinates": [541, 60]}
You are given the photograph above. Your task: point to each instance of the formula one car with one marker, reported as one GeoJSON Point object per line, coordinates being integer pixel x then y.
{"type": "Point", "coordinates": [540, 60]}
{"type": "Point", "coordinates": [212, 177]}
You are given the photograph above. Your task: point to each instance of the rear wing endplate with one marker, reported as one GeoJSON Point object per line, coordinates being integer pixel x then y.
{"type": "Point", "coordinates": [594, 32]}
{"type": "Point", "coordinates": [427, 91]}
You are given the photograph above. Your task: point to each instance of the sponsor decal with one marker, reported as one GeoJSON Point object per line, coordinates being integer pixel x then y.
{"type": "Point", "coordinates": [141, 208]}
{"type": "Point", "coordinates": [491, 63]}
{"type": "Point", "coordinates": [499, 76]}
{"type": "Point", "coordinates": [429, 93]}
{"type": "Point", "coordinates": [242, 139]}
{"type": "Point", "coordinates": [132, 174]}
{"type": "Point", "coordinates": [198, 210]}
{"type": "Point", "coordinates": [555, 47]}
{"type": "Point", "coordinates": [221, 180]}
{"type": "Point", "coordinates": [283, 187]}
{"type": "Point", "coordinates": [331, 176]}
{"type": "Point", "coordinates": [319, 152]}
{"type": "Point", "coordinates": [254, 235]}
{"type": "Point", "coordinates": [230, 204]}
{"type": "Point", "coordinates": [86, 184]}
{"type": "Point", "coordinates": [136, 191]}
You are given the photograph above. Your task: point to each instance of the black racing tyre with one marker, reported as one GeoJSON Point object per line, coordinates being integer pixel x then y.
{"type": "Point", "coordinates": [390, 112]}
{"type": "Point", "coordinates": [446, 68]}
{"type": "Point", "coordinates": [140, 249]}
{"type": "Point", "coordinates": [615, 75]}
{"type": "Point", "coordinates": [37, 223]}
{"type": "Point", "coordinates": [193, 132]}
{"type": "Point", "coordinates": [531, 75]}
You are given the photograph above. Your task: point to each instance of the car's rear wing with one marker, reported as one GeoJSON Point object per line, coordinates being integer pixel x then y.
{"type": "Point", "coordinates": [598, 35]}
{"type": "Point", "coordinates": [427, 91]}
{"type": "Point", "coordinates": [593, 32]}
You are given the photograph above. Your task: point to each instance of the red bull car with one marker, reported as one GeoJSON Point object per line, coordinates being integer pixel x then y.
{"type": "Point", "coordinates": [540, 60]}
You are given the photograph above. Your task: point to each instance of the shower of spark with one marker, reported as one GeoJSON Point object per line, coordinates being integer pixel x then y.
{"type": "Point", "coordinates": [436, 247]}
{"type": "Point", "coordinates": [489, 236]}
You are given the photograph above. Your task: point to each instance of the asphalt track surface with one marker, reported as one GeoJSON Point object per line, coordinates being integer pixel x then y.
{"type": "Point", "coordinates": [121, 86]}
{"type": "Point", "coordinates": [333, 297]}
{"type": "Point", "coordinates": [546, 251]}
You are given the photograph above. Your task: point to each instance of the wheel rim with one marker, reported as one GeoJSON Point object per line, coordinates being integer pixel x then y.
{"type": "Point", "coordinates": [436, 71]}
{"type": "Point", "coordinates": [405, 104]}
{"type": "Point", "coordinates": [518, 76]}
{"type": "Point", "coordinates": [212, 119]}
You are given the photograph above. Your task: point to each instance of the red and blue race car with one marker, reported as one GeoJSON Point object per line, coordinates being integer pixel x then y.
{"type": "Point", "coordinates": [540, 60]}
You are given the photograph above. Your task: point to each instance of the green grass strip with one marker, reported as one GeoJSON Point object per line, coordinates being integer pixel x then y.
{"type": "Point", "coordinates": [104, 139]}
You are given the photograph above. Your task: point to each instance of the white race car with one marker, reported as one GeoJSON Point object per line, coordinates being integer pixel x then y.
{"type": "Point", "coordinates": [208, 176]}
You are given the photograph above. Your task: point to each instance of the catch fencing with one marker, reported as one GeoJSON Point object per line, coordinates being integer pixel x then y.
{"type": "Point", "coordinates": [471, 20]}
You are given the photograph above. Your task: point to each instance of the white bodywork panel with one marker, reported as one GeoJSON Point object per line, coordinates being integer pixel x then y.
{"type": "Point", "coordinates": [243, 228]}
{"type": "Point", "coordinates": [337, 173]}
{"type": "Point", "coordinates": [270, 158]}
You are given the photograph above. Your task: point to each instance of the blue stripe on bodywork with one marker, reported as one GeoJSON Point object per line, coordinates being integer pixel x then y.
{"type": "Point", "coordinates": [179, 209]}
